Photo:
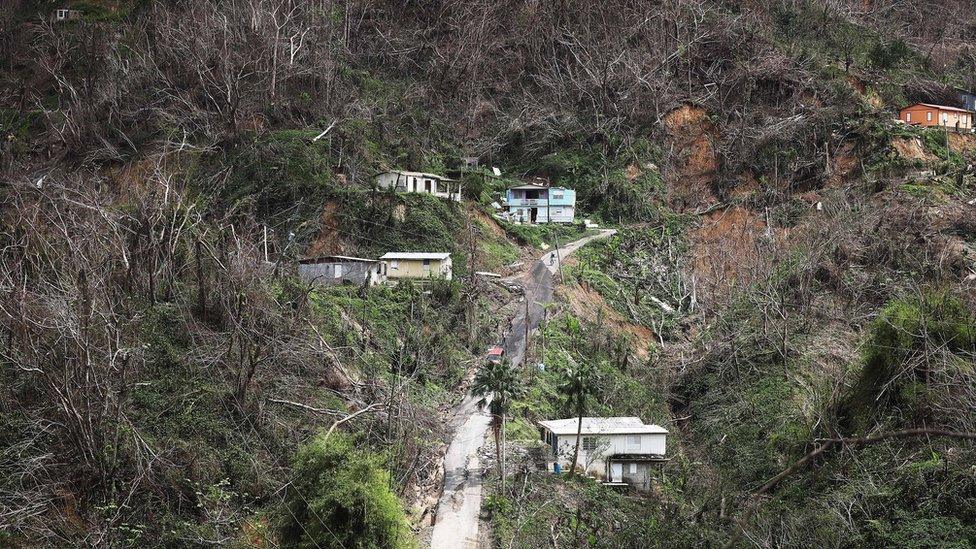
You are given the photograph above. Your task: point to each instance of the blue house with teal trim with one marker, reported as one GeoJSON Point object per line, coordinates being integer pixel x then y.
{"type": "Point", "coordinates": [533, 203]}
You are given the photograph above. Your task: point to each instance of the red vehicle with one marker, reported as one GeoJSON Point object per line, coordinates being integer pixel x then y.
{"type": "Point", "coordinates": [495, 354]}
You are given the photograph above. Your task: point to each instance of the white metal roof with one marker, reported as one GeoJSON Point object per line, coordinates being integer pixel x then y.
{"type": "Point", "coordinates": [418, 174]}
{"type": "Point", "coordinates": [336, 259]}
{"type": "Point", "coordinates": [416, 255]}
{"type": "Point", "coordinates": [602, 426]}
{"type": "Point", "coordinates": [533, 186]}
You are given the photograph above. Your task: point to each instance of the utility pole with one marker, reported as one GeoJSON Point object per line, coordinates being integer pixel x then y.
{"type": "Point", "coordinates": [555, 238]}
{"type": "Point", "coordinates": [525, 352]}
{"type": "Point", "coordinates": [471, 283]}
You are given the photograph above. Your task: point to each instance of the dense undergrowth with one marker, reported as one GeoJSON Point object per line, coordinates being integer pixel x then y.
{"type": "Point", "coordinates": [163, 385]}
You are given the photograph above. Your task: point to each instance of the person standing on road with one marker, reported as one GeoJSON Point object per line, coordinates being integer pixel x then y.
{"type": "Point", "coordinates": [552, 258]}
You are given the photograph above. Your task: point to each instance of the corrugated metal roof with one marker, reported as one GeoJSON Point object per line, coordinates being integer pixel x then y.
{"type": "Point", "coordinates": [940, 107]}
{"type": "Point", "coordinates": [416, 255]}
{"type": "Point", "coordinates": [602, 426]}
{"type": "Point", "coordinates": [419, 174]}
{"type": "Point", "coordinates": [335, 259]}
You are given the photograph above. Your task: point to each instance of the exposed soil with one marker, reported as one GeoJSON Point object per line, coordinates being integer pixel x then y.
{"type": "Point", "coordinates": [693, 162]}
{"type": "Point", "coordinates": [587, 303]}
{"type": "Point", "coordinates": [725, 248]}
{"type": "Point", "coordinates": [488, 221]}
{"type": "Point", "coordinates": [327, 242]}
{"type": "Point", "coordinates": [912, 149]}
{"type": "Point", "coordinates": [962, 142]}
{"type": "Point", "coordinates": [633, 172]}
{"type": "Point", "coordinates": [843, 165]}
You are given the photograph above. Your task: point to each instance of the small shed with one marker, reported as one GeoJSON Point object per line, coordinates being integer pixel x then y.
{"type": "Point", "coordinates": [62, 15]}
{"type": "Point", "coordinates": [418, 265]}
{"type": "Point", "coordinates": [341, 269]}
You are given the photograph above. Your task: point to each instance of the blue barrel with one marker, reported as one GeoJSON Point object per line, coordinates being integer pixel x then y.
{"type": "Point", "coordinates": [557, 468]}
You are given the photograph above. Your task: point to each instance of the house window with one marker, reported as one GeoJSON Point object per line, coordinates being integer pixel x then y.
{"type": "Point", "coordinates": [589, 444]}
{"type": "Point", "coordinates": [908, 117]}
{"type": "Point", "coordinates": [557, 196]}
{"type": "Point", "coordinates": [395, 264]}
{"type": "Point", "coordinates": [633, 442]}
{"type": "Point", "coordinates": [632, 468]}
{"type": "Point", "coordinates": [338, 271]}
{"type": "Point", "coordinates": [928, 116]}
{"type": "Point", "coordinates": [62, 14]}
{"type": "Point", "coordinates": [945, 118]}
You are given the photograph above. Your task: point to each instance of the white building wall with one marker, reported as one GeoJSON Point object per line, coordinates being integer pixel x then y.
{"type": "Point", "coordinates": [389, 180]}
{"type": "Point", "coordinates": [560, 214]}
{"type": "Point", "coordinates": [607, 445]}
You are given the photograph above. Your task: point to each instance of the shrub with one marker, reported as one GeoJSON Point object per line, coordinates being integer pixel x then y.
{"type": "Point", "coordinates": [340, 497]}
{"type": "Point", "coordinates": [886, 56]}
{"type": "Point", "coordinates": [904, 330]}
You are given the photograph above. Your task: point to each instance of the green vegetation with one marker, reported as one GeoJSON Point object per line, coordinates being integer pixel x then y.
{"type": "Point", "coordinates": [897, 358]}
{"type": "Point", "coordinates": [339, 496]}
{"type": "Point", "coordinates": [614, 183]}
{"type": "Point", "coordinates": [547, 233]}
{"type": "Point", "coordinates": [164, 386]}
{"type": "Point", "coordinates": [637, 270]}
{"type": "Point", "coordinates": [498, 384]}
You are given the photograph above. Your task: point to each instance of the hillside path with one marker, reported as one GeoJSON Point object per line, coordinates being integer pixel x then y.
{"type": "Point", "coordinates": [456, 521]}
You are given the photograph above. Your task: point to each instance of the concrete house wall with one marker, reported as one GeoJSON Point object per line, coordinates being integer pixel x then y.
{"type": "Point", "coordinates": [332, 272]}
{"type": "Point", "coordinates": [594, 460]}
{"type": "Point", "coordinates": [419, 268]}
{"type": "Point", "coordinates": [416, 182]}
{"type": "Point", "coordinates": [535, 204]}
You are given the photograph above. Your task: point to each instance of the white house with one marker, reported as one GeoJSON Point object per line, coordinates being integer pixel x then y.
{"type": "Point", "coordinates": [612, 449]}
{"type": "Point", "coordinates": [420, 182]}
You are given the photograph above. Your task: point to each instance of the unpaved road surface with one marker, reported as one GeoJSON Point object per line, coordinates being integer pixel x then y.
{"type": "Point", "coordinates": [456, 522]}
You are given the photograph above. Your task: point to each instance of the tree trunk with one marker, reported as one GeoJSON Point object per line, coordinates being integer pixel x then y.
{"type": "Point", "coordinates": [503, 453]}
{"type": "Point", "coordinates": [579, 432]}
{"type": "Point", "coordinates": [498, 449]}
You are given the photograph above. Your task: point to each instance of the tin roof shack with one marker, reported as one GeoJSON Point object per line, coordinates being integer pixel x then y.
{"type": "Point", "coordinates": [418, 265]}
{"type": "Point", "coordinates": [535, 203]}
{"type": "Point", "coordinates": [420, 182]}
{"type": "Point", "coordinates": [340, 269]}
{"type": "Point", "coordinates": [925, 114]}
{"type": "Point", "coordinates": [612, 449]}
{"type": "Point", "coordinates": [62, 15]}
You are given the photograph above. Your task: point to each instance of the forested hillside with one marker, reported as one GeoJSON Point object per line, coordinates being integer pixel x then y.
{"type": "Point", "coordinates": [790, 291]}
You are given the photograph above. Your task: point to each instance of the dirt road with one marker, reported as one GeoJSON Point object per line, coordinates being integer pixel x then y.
{"type": "Point", "coordinates": [456, 523]}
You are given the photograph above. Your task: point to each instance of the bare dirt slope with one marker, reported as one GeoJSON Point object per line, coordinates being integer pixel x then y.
{"type": "Point", "coordinates": [694, 162]}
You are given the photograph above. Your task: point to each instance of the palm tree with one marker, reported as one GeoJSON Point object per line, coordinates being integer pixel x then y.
{"type": "Point", "coordinates": [578, 384]}
{"type": "Point", "coordinates": [498, 384]}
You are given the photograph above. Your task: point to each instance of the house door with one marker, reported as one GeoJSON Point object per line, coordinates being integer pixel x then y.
{"type": "Point", "coordinates": [534, 214]}
{"type": "Point", "coordinates": [616, 472]}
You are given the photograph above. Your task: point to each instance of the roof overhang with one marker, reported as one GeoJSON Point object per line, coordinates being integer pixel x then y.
{"type": "Point", "coordinates": [416, 255]}
{"type": "Point", "coordinates": [417, 174]}
{"type": "Point", "coordinates": [638, 457]}
{"type": "Point", "coordinates": [933, 106]}
{"type": "Point", "coordinates": [336, 259]}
